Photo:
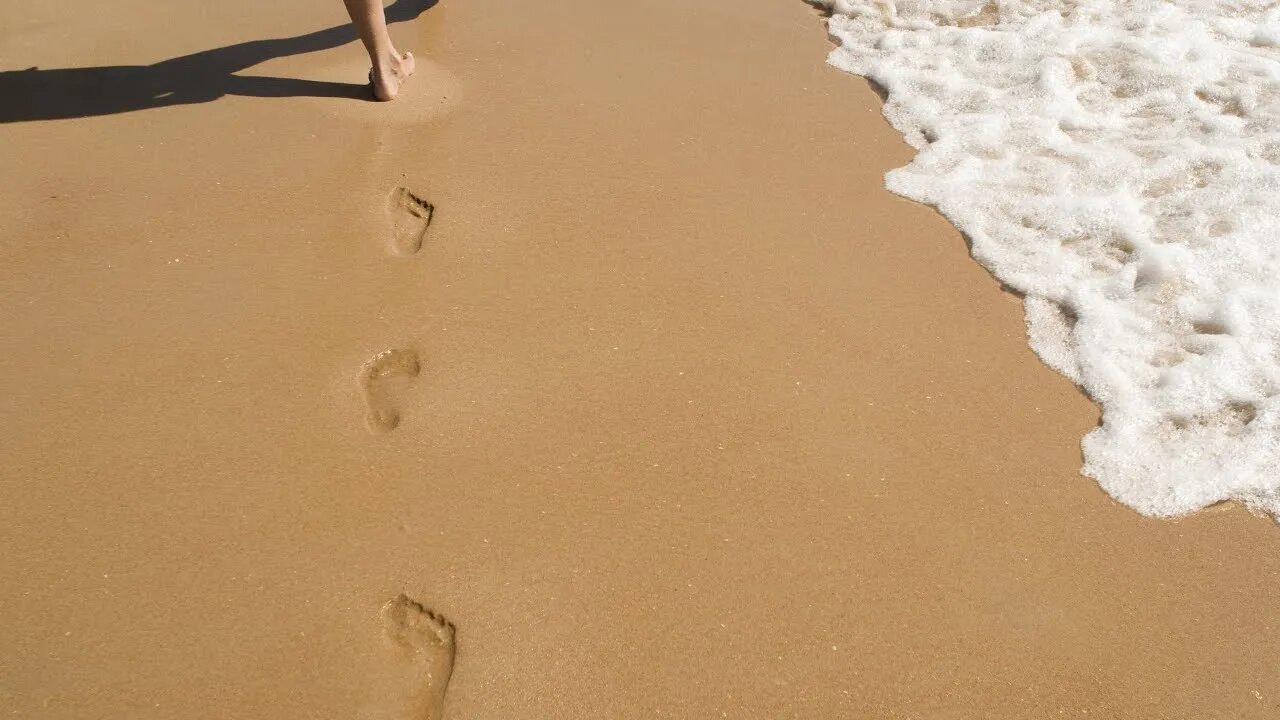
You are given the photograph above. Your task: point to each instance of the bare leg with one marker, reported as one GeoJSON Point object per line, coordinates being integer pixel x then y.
{"type": "Point", "coordinates": [390, 67]}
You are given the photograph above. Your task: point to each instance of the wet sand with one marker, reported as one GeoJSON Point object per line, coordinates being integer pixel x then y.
{"type": "Point", "coordinates": [692, 417]}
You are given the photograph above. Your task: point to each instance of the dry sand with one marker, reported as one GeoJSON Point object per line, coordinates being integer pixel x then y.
{"type": "Point", "coordinates": [705, 423]}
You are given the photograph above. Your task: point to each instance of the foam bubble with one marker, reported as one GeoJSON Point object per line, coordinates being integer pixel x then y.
{"type": "Point", "coordinates": [1118, 162]}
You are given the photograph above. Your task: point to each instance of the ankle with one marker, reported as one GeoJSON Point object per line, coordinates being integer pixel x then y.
{"type": "Point", "coordinates": [387, 63]}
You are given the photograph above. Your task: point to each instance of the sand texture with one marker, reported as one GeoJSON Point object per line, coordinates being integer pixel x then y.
{"type": "Point", "coordinates": [605, 342]}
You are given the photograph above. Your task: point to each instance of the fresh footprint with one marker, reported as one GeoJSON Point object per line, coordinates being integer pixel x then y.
{"type": "Point", "coordinates": [411, 216]}
{"type": "Point", "coordinates": [420, 661]}
{"type": "Point", "coordinates": [384, 379]}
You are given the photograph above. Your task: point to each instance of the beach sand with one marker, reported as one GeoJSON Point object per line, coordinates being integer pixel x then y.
{"type": "Point", "coordinates": [692, 418]}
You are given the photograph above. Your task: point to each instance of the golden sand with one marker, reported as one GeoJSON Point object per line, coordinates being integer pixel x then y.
{"type": "Point", "coordinates": [692, 419]}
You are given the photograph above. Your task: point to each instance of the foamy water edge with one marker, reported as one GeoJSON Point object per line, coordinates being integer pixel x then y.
{"type": "Point", "coordinates": [1117, 162]}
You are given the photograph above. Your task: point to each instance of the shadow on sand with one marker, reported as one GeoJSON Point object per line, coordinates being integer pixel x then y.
{"type": "Point", "coordinates": [37, 94]}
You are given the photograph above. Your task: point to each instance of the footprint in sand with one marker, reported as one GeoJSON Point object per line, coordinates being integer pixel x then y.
{"type": "Point", "coordinates": [383, 379]}
{"type": "Point", "coordinates": [411, 216]}
{"type": "Point", "coordinates": [421, 661]}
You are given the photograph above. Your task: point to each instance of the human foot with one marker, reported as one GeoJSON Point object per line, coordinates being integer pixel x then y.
{"type": "Point", "coordinates": [389, 74]}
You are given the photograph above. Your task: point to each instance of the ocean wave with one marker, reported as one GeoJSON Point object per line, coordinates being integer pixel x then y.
{"type": "Point", "coordinates": [1117, 162]}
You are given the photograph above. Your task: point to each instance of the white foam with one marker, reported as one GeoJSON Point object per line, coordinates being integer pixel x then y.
{"type": "Point", "coordinates": [1118, 162]}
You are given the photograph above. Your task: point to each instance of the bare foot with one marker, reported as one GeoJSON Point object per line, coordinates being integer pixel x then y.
{"type": "Point", "coordinates": [388, 75]}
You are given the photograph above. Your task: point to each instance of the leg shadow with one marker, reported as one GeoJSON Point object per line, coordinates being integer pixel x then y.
{"type": "Point", "coordinates": [62, 93]}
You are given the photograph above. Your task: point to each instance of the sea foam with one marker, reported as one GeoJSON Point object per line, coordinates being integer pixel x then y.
{"type": "Point", "coordinates": [1117, 162]}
